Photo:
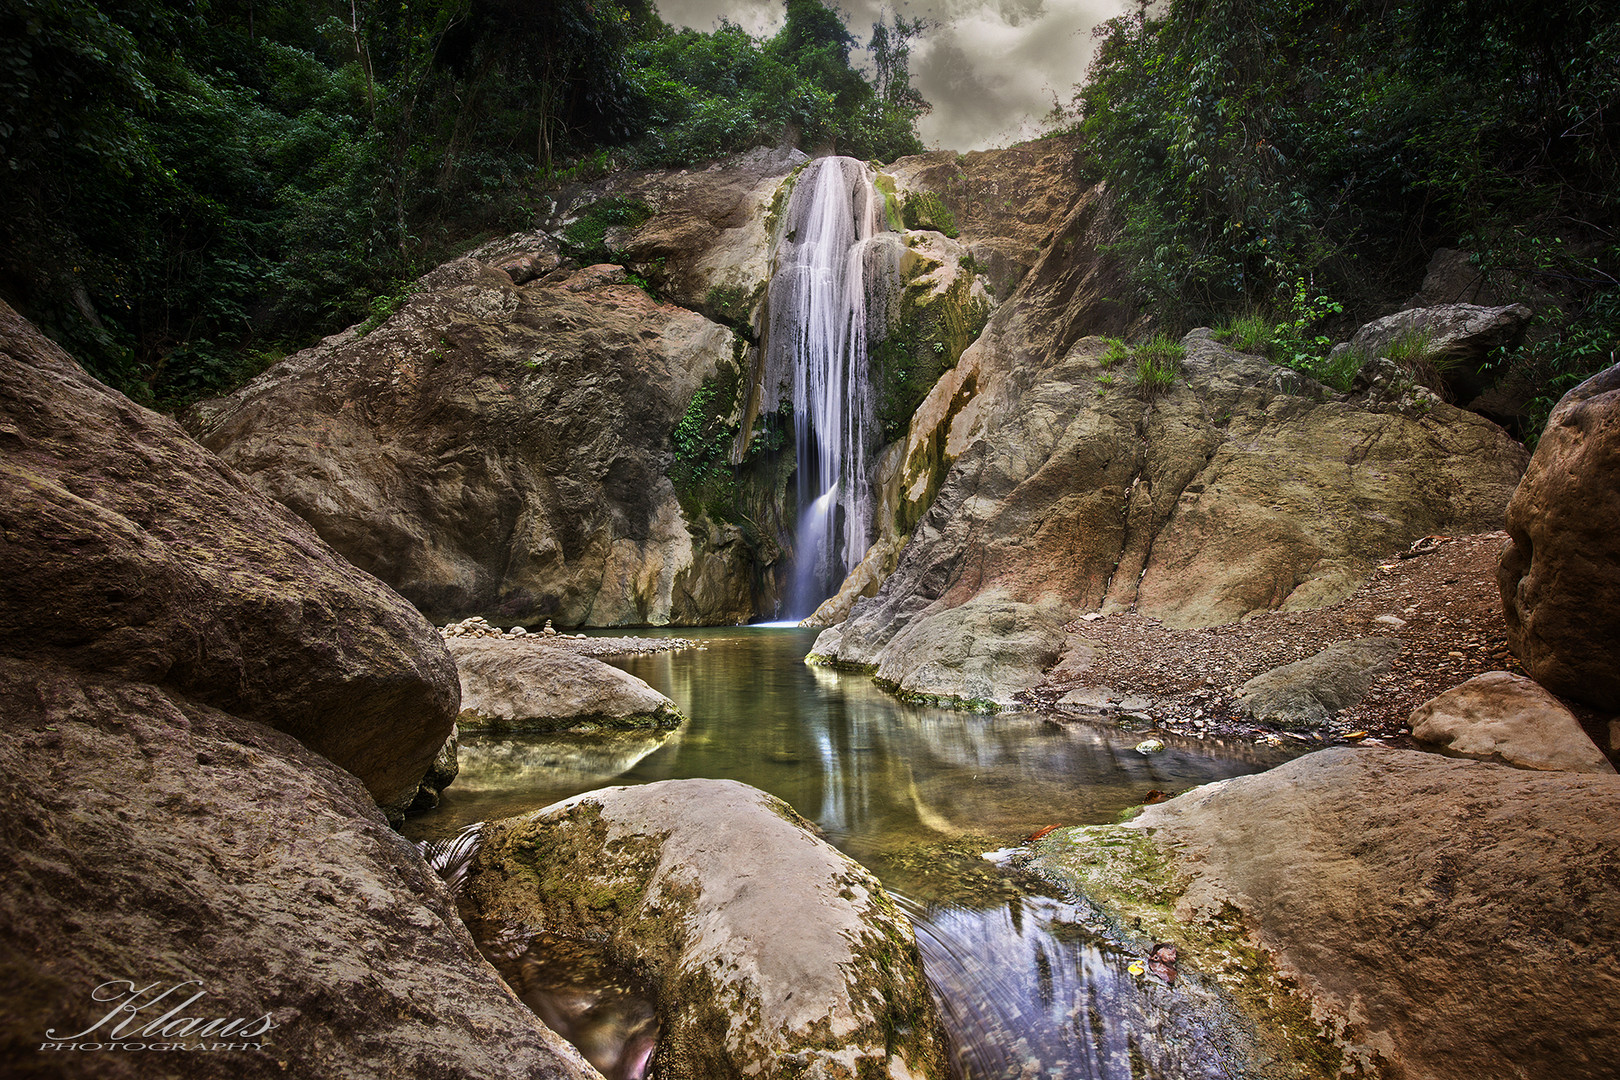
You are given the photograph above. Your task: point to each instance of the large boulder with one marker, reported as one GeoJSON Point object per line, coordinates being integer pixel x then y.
{"type": "Point", "coordinates": [1511, 718]}
{"type": "Point", "coordinates": [704, 241]}
{"type": "Point", "coordinates": [502, 448]}
{"type": "Point", "coordinates": [132, 552]}
{"type": "Point", "coordinates": [523, 685]}
{"type": "Point", "coordinates": [766, 950]}
{"type": "Point", "coordinates": [1306, 693]}
{"type": "Point", "coordinates": [1420, 916]}
{"type": "Point", "coordinates": [1242, 488]}
{"type": "Point", "coordinates": [1560, 573]}
{"type": "Point", "coordinates": [978, 654]}
{"type": "Point", "coordinates": [1452, 341]}
{"type": "Point", "coordinates": [158, 846]}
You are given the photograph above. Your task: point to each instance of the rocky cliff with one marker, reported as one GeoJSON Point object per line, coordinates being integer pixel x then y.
{"type": "Point", "coordinates": [533, 435]}
{"type": "Point", "coordinates": [1056, 481]}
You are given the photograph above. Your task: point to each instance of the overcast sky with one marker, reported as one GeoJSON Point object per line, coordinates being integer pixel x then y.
{"type": "Point", "coordinates": [990, 67]}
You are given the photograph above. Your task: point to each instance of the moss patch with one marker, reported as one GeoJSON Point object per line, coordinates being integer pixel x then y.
{"type": "Point", "coordinates": [925, 210]}
{"type": "Point", "coordinates": [715, 479]}
{"type": "Point", "coordinates": [1134, 884]}
{"type": "Point", "coordinates": [925, 340]}
{"type": "Point", "coordinates": [586, 238]}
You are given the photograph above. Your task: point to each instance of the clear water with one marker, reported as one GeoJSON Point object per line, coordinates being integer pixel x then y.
{"type": "Point", "coordinates": [916, 794]}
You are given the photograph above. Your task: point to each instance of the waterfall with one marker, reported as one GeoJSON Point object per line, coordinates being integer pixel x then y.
{"type": "Point", "coordinates": [824, 308]}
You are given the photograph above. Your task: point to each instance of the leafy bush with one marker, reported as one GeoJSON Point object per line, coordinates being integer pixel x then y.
{"type": "Point", "coordinates": [1251, 145]}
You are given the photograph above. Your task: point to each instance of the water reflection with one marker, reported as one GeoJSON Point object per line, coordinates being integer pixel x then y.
{"type": "Point", "coordinates": [1029, 992]}
{"type": "Point", "coordinates": [916, 794]}
{"type": "Point", "coordinates": [502, 776]}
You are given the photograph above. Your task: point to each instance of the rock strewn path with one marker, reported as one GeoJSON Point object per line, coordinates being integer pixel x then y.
{"type": "Point", "coordinates": [1186, 681]}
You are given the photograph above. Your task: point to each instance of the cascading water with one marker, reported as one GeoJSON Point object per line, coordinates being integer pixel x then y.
{"type": "Point", "coordinates": [826, 305]}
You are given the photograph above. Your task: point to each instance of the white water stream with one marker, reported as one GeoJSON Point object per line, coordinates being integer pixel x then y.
{"type": "Point", "coordinates": [826, 306]}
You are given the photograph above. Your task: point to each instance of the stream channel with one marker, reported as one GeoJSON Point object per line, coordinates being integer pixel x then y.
{"type": "Point", "coordinates": [1030, 986]}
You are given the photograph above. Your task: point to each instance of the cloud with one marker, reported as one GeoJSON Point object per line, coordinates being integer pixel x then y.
{"type": "Point", "coordinates": [991, 68]}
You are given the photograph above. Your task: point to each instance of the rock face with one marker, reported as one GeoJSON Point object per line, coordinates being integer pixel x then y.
{"type": "Point", "coordinates": [155, 839]}
{"type": "Point", "coordinates": [166, 846]}
{"type": "Point", "coordinates": [499, 448]}
{"type": "Point", "coordinates": [1003, 204]}
{"type": "Point", "coordinates": [1305, 694]}
{"type": "Point", "coordinates": [1507, 716]}
{"type": "Point", "coordinates": [132, 552]}
{"type": "Point", "coordinates": [705, 243]}
{"type": "Point", "coordinates": [978, 654]}
{"type": "Point", "coordinates": [1560, 574]}
{"type": "Point", "coordinates": [1430, 911]}
{"type": "Point", "coordinates": [524, 686]}
{"type": "Point", "coordinates": [1245, 487]}
{"type": "Point", "coordinates": [769, 953]}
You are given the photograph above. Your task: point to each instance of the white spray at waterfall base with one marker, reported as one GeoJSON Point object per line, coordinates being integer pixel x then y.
{"type": "Point", "coordinates": [827, 305]}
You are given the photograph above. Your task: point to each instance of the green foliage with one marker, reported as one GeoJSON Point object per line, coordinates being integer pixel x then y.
{"type": "Point", "coordinates": [1250, 145]}
{"type": "Point", "coordinates": [925, 210]}
{"type": "Point", "coordinates": [382, 307]}
{"type": "Point", "coordinates": [186, 186]}
{"type": "Point", "coordinates": [1116, 353]}
{"type": "Point", "coordinates": [925, 341]}
{"type": "Point", "coordinates": [1158, 362]}
{"type": "Point", "coordinates": [1298, 342]}
{"type": "Point", "coordinates": [1253, 333]}
{"type": "Point", "coordinates": [586, 238]}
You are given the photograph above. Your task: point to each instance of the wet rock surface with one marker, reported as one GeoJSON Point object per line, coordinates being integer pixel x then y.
{"type": "Point", "coordinates": [1560, 576]}
{"type": "Point", "coordinates": [132, 552]}
{"type": "Point", "coordinates": [763, 947]}
{"type": "Point", "coordinates": [527, 686]}
{"type": "Point", "coordinates": [1437, 943]}
{"type": "Point", "coordinates": [1507, 717]}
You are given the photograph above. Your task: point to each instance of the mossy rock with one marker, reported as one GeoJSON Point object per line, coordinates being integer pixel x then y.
{"type": "Point", "coordinates": [1135, 885]}
{"type": "Point", "coordinates": [765, 951]}
{"type": "Point", "coordinates": [925, 210]}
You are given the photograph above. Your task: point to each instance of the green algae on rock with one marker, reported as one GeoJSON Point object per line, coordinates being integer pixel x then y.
{"type": "Point", "coordinates": [1383, 913]}
{"type": "Point", "coordinates": [766, 950]}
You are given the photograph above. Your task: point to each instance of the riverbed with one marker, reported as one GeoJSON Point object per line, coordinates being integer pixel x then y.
{"type": "Point", "coordinates": [918, 795]}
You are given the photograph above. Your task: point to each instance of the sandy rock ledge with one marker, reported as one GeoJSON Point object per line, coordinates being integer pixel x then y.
{"type": "Point", "coordinates": [1427, 917]}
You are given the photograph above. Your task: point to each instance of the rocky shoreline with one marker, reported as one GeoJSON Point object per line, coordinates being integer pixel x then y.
{"type": "Point", "coordinates": [1440, 603]}
{"type": "Point", "coordinates": [577, 644]}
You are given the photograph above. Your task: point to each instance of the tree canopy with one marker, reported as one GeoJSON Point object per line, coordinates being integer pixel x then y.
{"type": "Point", "coordinates": [188, 188]}
{"type": "Point", "coordinates": [1269, 154]}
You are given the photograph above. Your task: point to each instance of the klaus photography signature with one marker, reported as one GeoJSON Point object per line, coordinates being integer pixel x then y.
{"type": "Point", "coordinates": [158, 1017]}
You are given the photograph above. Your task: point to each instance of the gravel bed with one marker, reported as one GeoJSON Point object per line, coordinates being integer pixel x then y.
{"type": "Point", "coordinates": [1443, 594]}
